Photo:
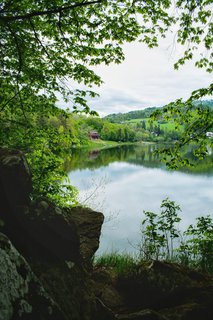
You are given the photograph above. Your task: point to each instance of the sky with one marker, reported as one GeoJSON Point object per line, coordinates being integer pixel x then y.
{"type": "Point", "coordinates": [146, 78]}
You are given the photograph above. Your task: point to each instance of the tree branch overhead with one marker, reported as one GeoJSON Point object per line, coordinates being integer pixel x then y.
{"type": "Point", "coordinates": [7, 19]}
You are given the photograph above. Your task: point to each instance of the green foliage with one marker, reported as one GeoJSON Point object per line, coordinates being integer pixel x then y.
{"type": "Point", "coordinates": [121, 264]}
{"type": "Point", "coordinates": [147, 129]}
{"type": "Point", "coordinates": [159, 231]}
{"type": "Point", "coordinates": [46, 144]}
{"type": "Point", "coordinates": [167, 224]}
{"type": "Point", "coordinates": [47, 44]}
{"type": "Point", "coordinates": [162, 240]}
{"type": "Point", "coordinates": [47, 165]}
{"type": "Point", "coordinates": [136, 114]}
{"type": "Point", "coordinates": [198, 249]}
{"type": "Point", "coordinates": [196, 119]}
{"type": "Point", "coordinates": [177, 122]}
{"type": "Point", "coordinates": [115, 132]}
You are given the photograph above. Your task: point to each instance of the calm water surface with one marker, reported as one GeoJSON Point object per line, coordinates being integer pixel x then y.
{"type": "Point", "coordinates": [122, 182]}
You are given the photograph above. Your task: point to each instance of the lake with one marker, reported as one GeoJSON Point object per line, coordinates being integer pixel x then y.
{"type": "Point", "coordinates": [124, 181]}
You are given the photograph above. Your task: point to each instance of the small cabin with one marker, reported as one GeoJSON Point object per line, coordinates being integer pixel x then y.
{"type": "Point", "coordinates": [94, 135]}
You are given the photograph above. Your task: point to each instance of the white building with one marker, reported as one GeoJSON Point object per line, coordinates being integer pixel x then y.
{"type": "Point", "coordinates": [209, 134]}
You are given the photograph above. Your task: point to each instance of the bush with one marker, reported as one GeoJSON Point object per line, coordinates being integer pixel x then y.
{"type": "Point", "coordinates": [162, 240]}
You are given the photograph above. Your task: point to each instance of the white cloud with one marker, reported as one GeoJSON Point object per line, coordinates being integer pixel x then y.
{"type": "Point", "coordinates": [114, 101]}
{"type": "Point", "coordinates": [146, 78]}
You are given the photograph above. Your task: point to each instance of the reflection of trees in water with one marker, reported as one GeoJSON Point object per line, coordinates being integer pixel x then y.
{"type": "Point", "coordinates": [140, 156]}
{"type": "Point", "coordinates": [146, 156]}
{"type": "Point", "coordinates": [93, 154]}
{"type": "Point", "coordinates": [82, 158]}
{"type": "Point", "coordinates": [143, 155]}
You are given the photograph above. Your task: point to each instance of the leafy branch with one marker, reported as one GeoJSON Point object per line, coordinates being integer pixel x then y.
{"type": "Point", "coordinates": [6, 19]}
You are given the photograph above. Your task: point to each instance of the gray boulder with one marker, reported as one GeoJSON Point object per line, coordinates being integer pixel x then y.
{"type": "Point", "coordinates": [21, 295]}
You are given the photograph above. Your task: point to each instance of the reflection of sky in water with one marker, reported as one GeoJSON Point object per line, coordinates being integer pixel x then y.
{"type": "Point", "coordinates": [128, 189]}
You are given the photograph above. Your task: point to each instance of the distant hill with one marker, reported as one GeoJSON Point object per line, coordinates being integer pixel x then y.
{"type": "Point", "coordinates": [145, 113]}
{"type": "Point", "coordinates": [206, 103]}
{"type": "Point", "coordinates": [136, 114]}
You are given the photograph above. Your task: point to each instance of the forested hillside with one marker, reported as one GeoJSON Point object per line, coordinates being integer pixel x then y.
{"type": "Point", "coordinates": [146, 113]}
{"type": "Point", "coordinates": [137, 114]}
{"type": "Point", "coordinates": [149, 127]}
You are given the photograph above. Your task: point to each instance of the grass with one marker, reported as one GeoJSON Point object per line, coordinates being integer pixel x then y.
{"type": "Point", "coordinates": [125, 264]}
{"type": "Point", "coordinates": [119, 263]}
{"type": "Point", "coordinates": [168, 126]}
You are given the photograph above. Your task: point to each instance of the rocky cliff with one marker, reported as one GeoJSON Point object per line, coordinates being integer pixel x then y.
{"type": "Point", "coordinates": [45, 252]}
{"type": "Point", "coordinates": [46, 270]}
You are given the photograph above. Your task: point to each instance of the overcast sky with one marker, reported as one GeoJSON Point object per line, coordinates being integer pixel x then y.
{"type": "Point", "coordinates": [146, 78]}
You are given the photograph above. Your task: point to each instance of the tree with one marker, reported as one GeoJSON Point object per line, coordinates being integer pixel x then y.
{"type": "Point", "coordinates": [162, 240]}
{"type": "Point", "coordinates": [196, 119]}
{"type": "Point", "coordinates": [44, 42]}
{"type": "Point", "coordinates": [45, 45]}
{"type": "Point", "coordinates": [143, 124]}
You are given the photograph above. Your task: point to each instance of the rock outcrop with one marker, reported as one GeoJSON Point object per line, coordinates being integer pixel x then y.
{"type": "Point", "coordinates": [145, 314]}
{"type": "Point", "coordinates": [58, 245]}
{"type": "Point", "coordinates": [15, 179]}
{"type": "Point", "coordinates": [88, 225]}
{"type": "Point", "coordinates": [46, 271]}
{"type": "Point", "coordinates": [52, 233]}
{"type": "Point", "coordinates": [157, 290]}
{"type": "Point", "coordinates": [21, 295]}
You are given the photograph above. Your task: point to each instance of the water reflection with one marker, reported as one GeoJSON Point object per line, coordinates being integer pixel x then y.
{"type": "Point", "coordinates": [130, 179]}
{"type": "Point", "coordinates": [142, 155]}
